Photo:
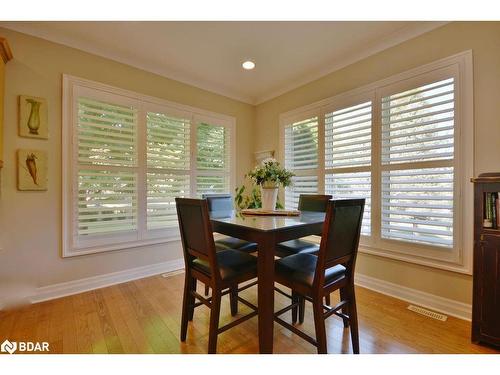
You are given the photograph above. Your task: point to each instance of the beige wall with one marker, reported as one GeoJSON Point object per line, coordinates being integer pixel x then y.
{"type": "Point", "coordinates": [30, 222]}
{"type": "Point", "coordinates": [484, 40]}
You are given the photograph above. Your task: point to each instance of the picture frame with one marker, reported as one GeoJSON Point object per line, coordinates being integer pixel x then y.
{"type": "Point", "coordinates": [32, 170]}
{"type": "Point", "coordinates": [33, 117]}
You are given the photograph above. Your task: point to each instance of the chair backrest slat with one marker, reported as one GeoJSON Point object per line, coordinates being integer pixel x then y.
{"type": "Point", "coordinates": [341, 232]}
{"type": "Point", "coordinates": [313, 202]}
{"type": "Point", "coordinates": [196, 231]}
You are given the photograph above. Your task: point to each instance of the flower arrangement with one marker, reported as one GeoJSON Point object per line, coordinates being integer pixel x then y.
{"type": "Point", "coordinates": [270, 174]}
{"type": "Point", "coordinates": [252, 199]}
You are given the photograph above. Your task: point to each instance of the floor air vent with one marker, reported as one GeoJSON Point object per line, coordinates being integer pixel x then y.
{"type": "Point", "coordinates": [428, 313]}
{"type": "Point", "coordinates": [171, 273]}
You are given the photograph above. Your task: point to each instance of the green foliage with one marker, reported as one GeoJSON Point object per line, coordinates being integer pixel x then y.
{"type": "Point", "coordinates": [271, 174]}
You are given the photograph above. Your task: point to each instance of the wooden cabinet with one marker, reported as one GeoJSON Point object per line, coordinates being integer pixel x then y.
{"type": "Point", "coordinates": [486, 290]}
{"type": "Point", "coordinates": [5, 56]}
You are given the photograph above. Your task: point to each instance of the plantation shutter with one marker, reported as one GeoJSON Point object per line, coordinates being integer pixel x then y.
{"type": "Point", "coordinates": [301, 157]}
{"type": "Point", "coordinates": [106, 168]}
{"type": "Point", "coordinates": [417, 157]}
{"type": "Point", "coordinates": [168, 163]}
{"type": "Point", "coordinates": [348, 156]}
{"type": "Point", "coordinates": [213, 160]}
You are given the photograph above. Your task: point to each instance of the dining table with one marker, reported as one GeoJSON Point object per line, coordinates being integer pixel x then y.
{"type": "Point", "coordinates": [267, 232]}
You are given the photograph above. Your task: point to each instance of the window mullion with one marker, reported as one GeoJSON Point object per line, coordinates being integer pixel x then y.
{"type": "Point", "coordinates": [194, 154]}
{"type": "Point", "coordinates": [321, 152]}
{"type": "Point", "coordinates": [376, 162]}
{"type": "Point", "coordinates": [142, 185]}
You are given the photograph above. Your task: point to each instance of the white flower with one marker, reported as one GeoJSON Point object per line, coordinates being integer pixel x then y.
{"type": "Point", "coordinates": [269, 160]}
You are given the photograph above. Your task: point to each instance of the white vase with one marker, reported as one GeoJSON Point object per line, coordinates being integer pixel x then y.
{"type": "Point", "coordinates": [268, 197]}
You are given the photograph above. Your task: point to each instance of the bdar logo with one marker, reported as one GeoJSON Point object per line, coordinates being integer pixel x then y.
{"type": "Point", "coordinates": [9, 347]}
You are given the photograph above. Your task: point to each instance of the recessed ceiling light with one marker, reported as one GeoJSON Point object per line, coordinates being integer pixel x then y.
{"type": "Point", "coordinates": [248, 65]}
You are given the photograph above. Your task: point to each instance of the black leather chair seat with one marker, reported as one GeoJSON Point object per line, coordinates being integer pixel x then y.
{"type": "Point", "coordinates": [301, 267]}
{"type": "Point", "coordinates": [293, 247]}
{"type": "Point", "coordinates": [235, 244]}
{"type": "Point", "coordinates": [232, 263]}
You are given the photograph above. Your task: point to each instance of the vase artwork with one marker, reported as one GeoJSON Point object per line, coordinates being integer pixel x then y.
{"type": "Point", "coordinates": [33, 117]}
{"type": "Point", "coordinates": [31, 170]}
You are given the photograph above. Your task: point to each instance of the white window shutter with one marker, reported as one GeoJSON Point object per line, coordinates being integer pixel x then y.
{"type": "Point", "coordinates": [418, 124]}
{"type": "Point", "coordinates": [106, 168]}
{"type": "Point", "coordinates": [348, 137]}
{"type": "Point", "coordinates": [168, 163]}
{"type": "Point", "coordinates": [301, 157]}
{"type": "Point", "coordinates": [418, 129]}
{"type": "Point", "coordinates": [213, 158]}
{"type": "Point", "coordinates": [348, 145]}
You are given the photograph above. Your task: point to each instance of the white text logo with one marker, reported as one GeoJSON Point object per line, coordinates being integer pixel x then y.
{"type": "Point", "coordinates": [22, 346]}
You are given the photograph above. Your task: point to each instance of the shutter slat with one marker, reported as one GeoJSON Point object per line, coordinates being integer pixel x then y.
{"type": "Point", "coordinates": [300, 185]}
{"type": "Point", "coordinates": [352, 186]}
{"type": "Point", "coordinates": [103, 144]}
{"type": "Point", "coordinates": [341, 136]}
{"type": "Point", "coordinates": [421, 209]}
{"type": "Point", "coordinates": [301, 146]}
{"type": "Point", "coordinates": [108, 202]}
{"type": "Point", "coordinates": [213, 147]}
{"type": "Point", "coordinates": [162, 189]}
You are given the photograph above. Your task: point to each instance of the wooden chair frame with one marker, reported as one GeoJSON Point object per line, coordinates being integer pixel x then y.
{"type": "Point", "coordinates": [219, 286]}
{"type": "Point", "coordinates": [320, 289]}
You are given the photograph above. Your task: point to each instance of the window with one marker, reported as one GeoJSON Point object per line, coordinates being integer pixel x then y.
{"type": "Point", "coordinates": [403, 144]}
{"type": "Point", "coordinates": [126, 157]}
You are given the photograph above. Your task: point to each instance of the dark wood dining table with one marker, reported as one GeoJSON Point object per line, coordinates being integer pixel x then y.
{"type": "Point", "coordinates": [267, 232]}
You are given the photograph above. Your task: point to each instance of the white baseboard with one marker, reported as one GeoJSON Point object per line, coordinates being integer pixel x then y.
{"type": "Point", "coordinates": [83, 285]}
{"type": "Point", "coordinates": [431, 301]}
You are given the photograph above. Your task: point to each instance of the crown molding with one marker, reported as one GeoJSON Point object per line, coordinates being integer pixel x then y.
{"type": "Point", "coordinates": [395, 38]}
{"type": "Point", "coordinates": [151, 68]}
{"type": "Point", "coordinates": [5, 51]}
{"type": "Point", "coordinates": [363, 52]}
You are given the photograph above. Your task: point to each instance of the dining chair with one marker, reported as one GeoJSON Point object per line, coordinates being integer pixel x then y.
{"type": "Point", "coordinates": [220, 206]}
{"type": "Point", "coordinates": [221, 270]}
{"type": "Point", "coordinates": [307, 202]}
{"type": "Point", "coordinates": [313, 277]}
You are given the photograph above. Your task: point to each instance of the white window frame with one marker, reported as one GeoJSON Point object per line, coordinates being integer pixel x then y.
{"type": "Point", "coordinates": [458, 259]}
{"type": "Point", "coordinates": [72, 87]}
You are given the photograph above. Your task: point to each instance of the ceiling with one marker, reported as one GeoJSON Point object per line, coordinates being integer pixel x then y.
{"type": "Point", "coordinates": [209, 54]}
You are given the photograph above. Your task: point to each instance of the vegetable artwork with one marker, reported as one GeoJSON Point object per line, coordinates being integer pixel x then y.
{"type": "Point", "coordinates": [31, 166]}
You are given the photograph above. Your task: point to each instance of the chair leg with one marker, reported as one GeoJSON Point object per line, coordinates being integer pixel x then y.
{"type": "Point", "coordinates": [233, 299]}
{"type": "Point", "coordinates": [353, 317]}
{"type": "Point", "coordinates": [191, 300]}
{"type": "Point", "coordinates": [345, 309]}
{"type": "Point", "coordinates": [319, 325]}
{"type": "Point", "coordinates": [302, 308]}
{"type": "Point", "coordinates": [295, 309]}
{"type": "Point", "coordinates": [207, 290]}
{"type": "Point", "coordinates": [185, 305]}
{"type": "Point", "coordinates": [327, 300]}
{"type": "Point", "coordinates": [214, 321]}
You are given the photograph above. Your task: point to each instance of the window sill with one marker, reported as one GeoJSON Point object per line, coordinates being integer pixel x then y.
{"type": "Point", "coordinates": [119, 246]}
{"type": "Point", "coordinates": [414, 259]}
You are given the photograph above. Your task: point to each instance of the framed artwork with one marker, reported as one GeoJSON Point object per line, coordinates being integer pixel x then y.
{"type": "Point", "coordinates": [31, 170]}
{"type": "Point", "coordinates": [33, 117]}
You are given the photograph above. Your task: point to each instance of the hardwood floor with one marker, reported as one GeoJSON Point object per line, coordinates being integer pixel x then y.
{"type": "Point", "coordinates": [143, 316]}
